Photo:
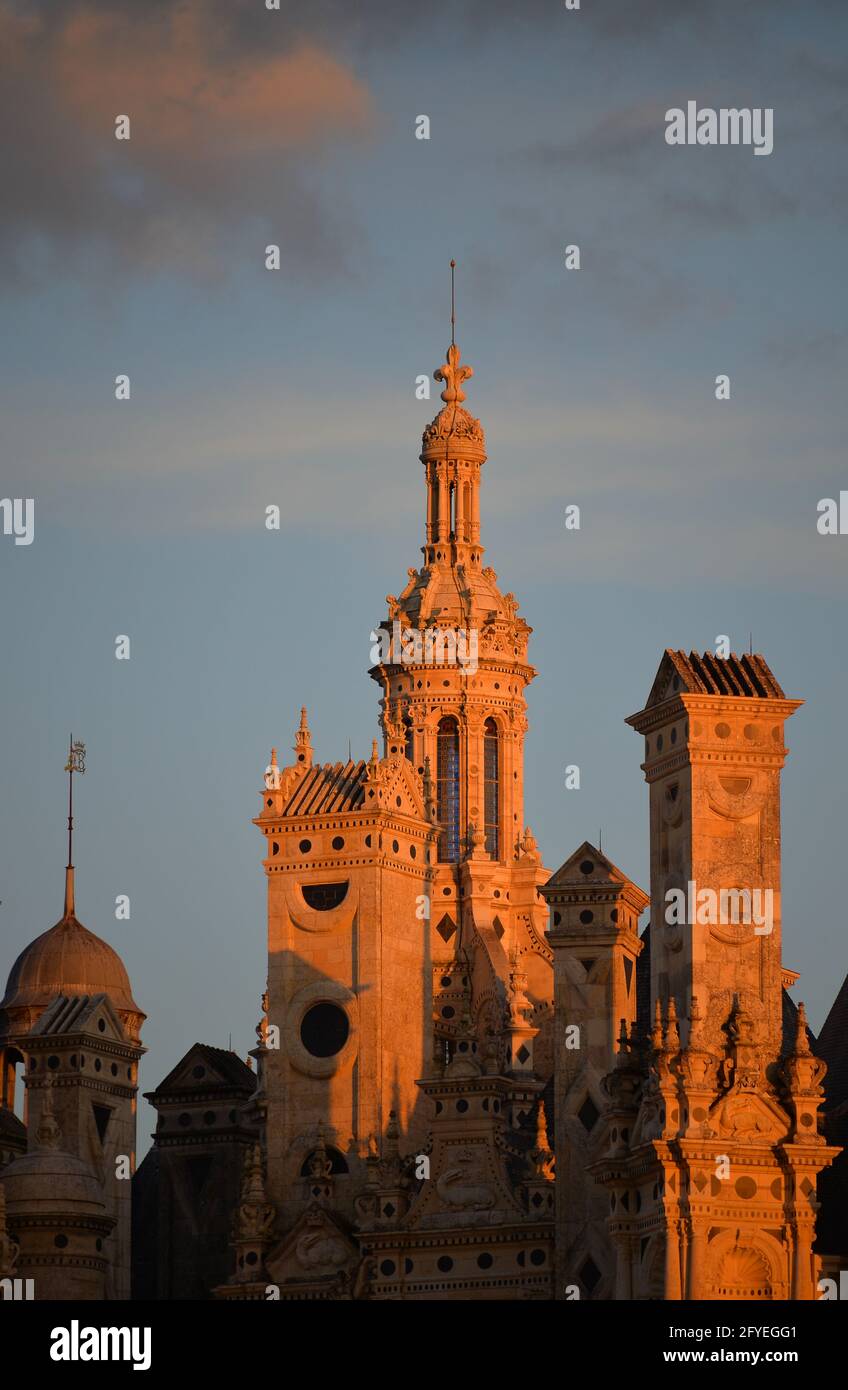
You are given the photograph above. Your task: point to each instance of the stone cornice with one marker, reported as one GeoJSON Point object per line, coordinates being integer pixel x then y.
{"type": "Point", "coordinates": [657, 716]}
{"type": "Point", "coordinates": [538, 1232]}
{"type": "Point", "coordinates": [62, 1042]}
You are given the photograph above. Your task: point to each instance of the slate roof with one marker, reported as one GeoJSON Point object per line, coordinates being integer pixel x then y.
{"type": "Point", "coordinates": [643, 986]}
{"type": "Point", "coordinates": [329, 787]}
{"type": "Point", "coordinates": [72, 1014]}
{"type": "Point", "coordinates": [833, 1048]}
{"type": "Point", "coordinates": [832, 1186]}
{"type": "Point", "coordinates": [707, 674]}
{"type": "Point", "coordinates": [12, 1127]}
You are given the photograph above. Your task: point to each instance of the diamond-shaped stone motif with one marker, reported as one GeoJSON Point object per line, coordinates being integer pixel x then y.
{"type": "Point", "coordinates": [588, 1114]}
{"type": "Point", "coordinates": [445, 928]}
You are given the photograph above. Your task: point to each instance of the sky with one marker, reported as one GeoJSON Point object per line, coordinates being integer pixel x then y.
{"type": "Point", "coordinates": [296, 387]}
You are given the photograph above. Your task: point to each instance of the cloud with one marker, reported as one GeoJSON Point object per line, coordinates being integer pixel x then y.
{"type": "Point", "coordinates": [674, 487]}
{"type": "Point", "coordinates": [385, 22]}
{"type": "Point", "coordinates": [224, 144]}
{"type": "Point", "coordinates": [704, 188]}
{"type": "Point", "coordinates": [610, 144]}
{"type": "Point", "coordinates": [822, 348]}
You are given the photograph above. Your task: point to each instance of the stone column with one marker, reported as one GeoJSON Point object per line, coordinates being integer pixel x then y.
{"type": "Point", "coordinates": [673, 1292]}
{"type": "Point", "coordinates": [431, 503]}
{"type": "Point", "coordinates": [443, 518]}
{"type": "Point", "coordinates": [623, 1268]}
{"type": "Point", "coordinates": [697, 1258]}
{"type": "Point", "coordinates": [474, 528]}
{"type": "Point", "coordinates": [802, 1265]}
{"type": "Point", "coordinates": [459, 507]}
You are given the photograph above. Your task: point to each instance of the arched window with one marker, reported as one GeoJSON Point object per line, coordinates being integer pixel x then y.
{"type": "Point", "coordinates": [408, 744]}
{"type": "Point", "coordinates": [491, 788]}
{"type": "Point", "coordinates": [11, 1095]}
{"type": "Point", "coordinates": [447, 789]}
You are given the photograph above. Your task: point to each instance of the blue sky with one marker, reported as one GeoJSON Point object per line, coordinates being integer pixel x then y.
{"type": "Point", "coordinates": [251, 387]}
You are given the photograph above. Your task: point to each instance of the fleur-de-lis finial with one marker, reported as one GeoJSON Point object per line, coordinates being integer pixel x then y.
{"type": "Point", "coordinates": [453, 375]}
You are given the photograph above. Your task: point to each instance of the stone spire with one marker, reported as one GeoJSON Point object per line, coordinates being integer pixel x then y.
{"type": "Point", "coordinates": [75, 763]}
{"type": "Point", "coordinates": [541, 1153]}
{"type": "Point", "coordinates": [69, 910]}
{"type": "Point", "coordinates": [455, 666]}
{"type": "Point", "coordinates": [254, 1220]}
{"type": "Point", "coordinates": [273, 775]}
{"type": "Point", "coordinates": [303, 740]}
{"type": "Point", "coordinates": [394, 728]}
{"type": "Point", "coordinates": [453, 451]}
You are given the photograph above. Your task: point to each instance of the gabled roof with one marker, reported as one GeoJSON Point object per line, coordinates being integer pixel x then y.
{"type": "Point", "coordinates": [220, 1068]}
{"type": "Point", "coordinates": [400, 789]}
{"type": "Point", "coordinates": [748, 677]}
{"type": "Point", "coordinates": [329, 787]}
{"type": "Point", "coordinates": [603, 871]}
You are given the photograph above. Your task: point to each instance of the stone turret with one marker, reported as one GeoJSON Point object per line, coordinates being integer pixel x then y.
{"type": "Point", "coordinates": [56, 1214]}
{"type": "Point", "coordinates": [711, 1168]}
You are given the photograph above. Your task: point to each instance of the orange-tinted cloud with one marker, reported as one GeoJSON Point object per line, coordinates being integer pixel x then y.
{"type": "Point", "coordinates": [185, 96]}
{"type": "Point", "coordinates": [221, 136]}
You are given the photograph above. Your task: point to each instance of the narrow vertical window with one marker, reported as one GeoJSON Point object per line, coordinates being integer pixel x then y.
{"type": "Point", "coordinates": [408, 744]}
{"type": "Point", "coordinates": [491, 788]}
{"type": "Point", "coordinates": [447, 790]}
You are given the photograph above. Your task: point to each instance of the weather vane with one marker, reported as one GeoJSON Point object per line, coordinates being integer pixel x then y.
{"type": "Point", "coordinates": [75, 763]}
{"type": "Point", "coordinates": [453, 324]}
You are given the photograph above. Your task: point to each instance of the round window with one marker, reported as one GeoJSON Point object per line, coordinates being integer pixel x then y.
{"type": "Point", "coordinates": [325, 1029]}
